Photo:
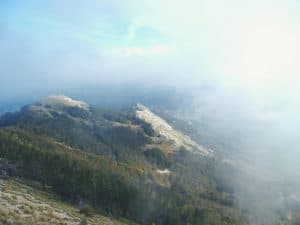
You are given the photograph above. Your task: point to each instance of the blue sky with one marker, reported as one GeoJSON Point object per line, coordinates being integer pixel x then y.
{"type": "Point", "coordinates": [253, 46]}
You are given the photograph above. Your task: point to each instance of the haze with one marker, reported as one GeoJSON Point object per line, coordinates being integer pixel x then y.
{"type": "Point", "coordinates": [251, 46]}
{"type": "Point", "coordinates": [236, 61]}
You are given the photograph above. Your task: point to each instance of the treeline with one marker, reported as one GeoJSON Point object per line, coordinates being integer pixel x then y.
{"type": "Point", "coordinates": [73, 175]}
{"type": "Point", "coordinates": [116, 188]}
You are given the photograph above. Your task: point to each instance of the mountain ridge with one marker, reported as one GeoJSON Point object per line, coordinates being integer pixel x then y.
{"type": "Point", "coordinates": [167, 132]}
{"type": "Point", "coordinates": [116, 162]}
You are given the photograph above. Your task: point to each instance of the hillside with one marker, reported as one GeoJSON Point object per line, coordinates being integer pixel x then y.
{"type": "Point", "coordinates": [118, 162]}
{"type": "Point", "coordinates": [26, 204]}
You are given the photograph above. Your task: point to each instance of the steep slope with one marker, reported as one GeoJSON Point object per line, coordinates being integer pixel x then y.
{"type": "Point", "coordinates": [168, 134]}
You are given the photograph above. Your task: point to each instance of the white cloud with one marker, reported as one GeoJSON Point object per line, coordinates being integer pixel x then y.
{"type": "Point", "coordinates": [135, 51]}
{"type": "Point", "coordinates": [252, 45]}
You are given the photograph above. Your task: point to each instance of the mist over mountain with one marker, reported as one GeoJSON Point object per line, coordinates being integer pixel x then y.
{"type": "Point", "coordinates": [245, 151]}
{"type": "Point", "coordinates": [149, 112]}
{"type": "Point", "coordinates": [257, 141]}
{"type": "Point", "coordinates": [104, 95]}
{"type": "Point", "coordinates": [114, 161]}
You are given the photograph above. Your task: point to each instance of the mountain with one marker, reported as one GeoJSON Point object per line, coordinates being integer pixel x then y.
{"type": "Point", "coordinates": [126, 164]}
{"type": "Point", "coordinates": [168, 134]}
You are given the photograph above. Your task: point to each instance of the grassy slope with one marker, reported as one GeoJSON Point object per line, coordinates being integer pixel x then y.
{"type": "Point", "coordinates": [27, 205]}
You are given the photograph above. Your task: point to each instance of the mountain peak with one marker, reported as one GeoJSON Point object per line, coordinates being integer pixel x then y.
{"type": "Point", "coordinates": [59, 101]}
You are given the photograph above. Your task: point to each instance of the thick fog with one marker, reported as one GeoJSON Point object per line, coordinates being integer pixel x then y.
{"type": "Point", "coordinates": [257, 143]}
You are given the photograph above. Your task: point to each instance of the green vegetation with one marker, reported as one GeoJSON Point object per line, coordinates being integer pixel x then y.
{"type": "Point", "coordinates": [98, 161]}
{"type": "Point", "coordinates": [157, 157]}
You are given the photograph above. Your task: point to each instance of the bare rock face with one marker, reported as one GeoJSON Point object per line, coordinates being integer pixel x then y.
{"type": "Point", "coordinates": [169, 134]}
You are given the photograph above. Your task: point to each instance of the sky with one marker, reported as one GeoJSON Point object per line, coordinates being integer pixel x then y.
{"type": "Point", "coordinates": [252, 46]}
